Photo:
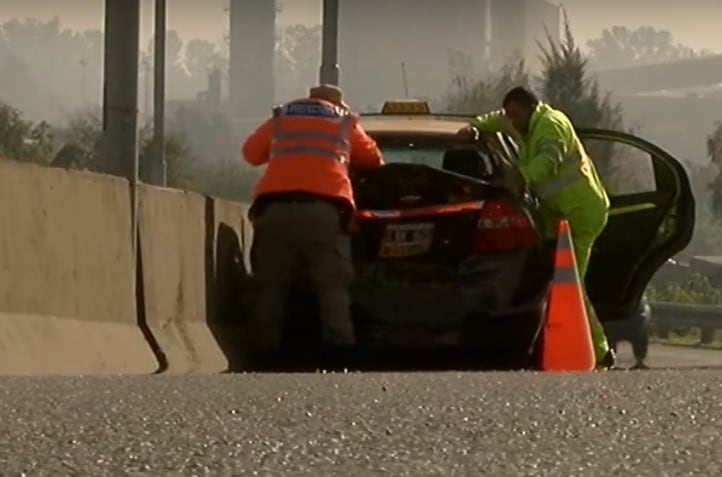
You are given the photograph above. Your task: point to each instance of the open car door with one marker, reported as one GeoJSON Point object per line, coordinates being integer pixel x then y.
{"type": "Point", "coordinates": [651, 218]}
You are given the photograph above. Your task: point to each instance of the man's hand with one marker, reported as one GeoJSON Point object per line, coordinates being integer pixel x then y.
{"type": "Point", "coordinates": [467, 134]}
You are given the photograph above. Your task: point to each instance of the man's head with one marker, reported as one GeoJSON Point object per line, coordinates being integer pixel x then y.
{"type": "Point", "coordinates": [328, 92]}
{"type": "Point", "coordinates": [519, 104]}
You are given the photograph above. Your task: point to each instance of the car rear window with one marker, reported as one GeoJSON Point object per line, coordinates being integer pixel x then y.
{"type": "Point", "coordinates": [433, 154]}
{"type": "Point", "coordinates": [410, 153]}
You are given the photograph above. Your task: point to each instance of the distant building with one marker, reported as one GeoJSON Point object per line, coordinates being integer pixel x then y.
{"type": "Point", "coordinates": [517, 26]}
{"type": "Point", "coordinates": [252, 43]}
{"type": "Point", "coordinates": [377, 36]}
{"type": "Point", "coordinates": [674, 104]}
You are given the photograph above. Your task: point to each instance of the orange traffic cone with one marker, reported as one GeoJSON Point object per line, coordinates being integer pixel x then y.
{"type": "Point", "coordinates": [567, 342]}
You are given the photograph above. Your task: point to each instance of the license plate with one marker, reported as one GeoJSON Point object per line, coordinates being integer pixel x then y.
{"type": "Point", "coordinates": [403, 240]}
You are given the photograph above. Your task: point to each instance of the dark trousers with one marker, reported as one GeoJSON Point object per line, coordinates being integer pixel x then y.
{"type": "Point", "coordinates": [301, 241]}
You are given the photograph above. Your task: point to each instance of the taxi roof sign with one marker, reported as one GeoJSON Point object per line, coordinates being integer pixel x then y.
{"type": "Point", "coordinates": [406, 106]}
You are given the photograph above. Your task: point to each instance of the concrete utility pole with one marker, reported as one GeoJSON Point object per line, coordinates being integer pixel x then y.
{"type": "Point", "coordinates": [252, 34]}
{"type": "Point", "coordinates": [120, 98]}
{"type": "Point", "coordinates": [329, 43]}
{"type": "Point", "coordinates": [120, 95]}
{"type": "Point", "coordinates": [158, 167]}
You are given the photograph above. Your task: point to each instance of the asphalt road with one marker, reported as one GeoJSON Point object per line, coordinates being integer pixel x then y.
{"type": "Point", "coordinates": [635, 423]}
{"type": "Point", "coordinates": [673, 356]}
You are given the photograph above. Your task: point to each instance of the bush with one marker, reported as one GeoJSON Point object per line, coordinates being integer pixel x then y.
{"type": "Point", "coordinates": [697, 290]}
{"type": "Point", "coordinates": [208, 168]}
{"type": "Point", "coordinates": [469, 95]}
{"type": "Point", "coordinates": [23, 140]}
{"type": "Point", "coordinates": [564, 82]}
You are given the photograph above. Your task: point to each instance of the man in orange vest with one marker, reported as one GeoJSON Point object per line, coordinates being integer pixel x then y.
{"type": "Point", "coordinates": [302, 208]}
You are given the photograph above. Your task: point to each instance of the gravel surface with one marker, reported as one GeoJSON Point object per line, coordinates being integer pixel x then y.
{"type": "Point", "coordinates": [660, 422]}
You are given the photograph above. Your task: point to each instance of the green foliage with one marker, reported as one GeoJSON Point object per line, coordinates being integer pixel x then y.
{"type": "Point", "coordinates": [80, 137]}
{"type": "Point", "coordinates": [714, 151]}
{"type": "Point", "coordinates": [48, 68]}
{"type": "Point", "coordinates": [696, 290]}
{"type": "Point", "coordinates": [469, 95]}
{"type": "Point", "coordinates": [227, 179]}
{"type": "Point", "coordinates": [179, 162]}
{"type": "Point", "coordinates": [565, 84]}
{"type": "Point", "coordinates": [64, 68]}
{"type": "Point", "coordinates": [620, 46]}
{"type": "Point", "coordinates": [21, 139]}
{"type": "Point", "coordinates": [297, 59]}
{"type": "Point", "coordinates": [79, 146]}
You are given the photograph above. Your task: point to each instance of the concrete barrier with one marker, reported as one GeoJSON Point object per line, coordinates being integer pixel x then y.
{"type": "Point", "coordinates": [231, 282]}
{"type": "Point", "coordinates": [173, 235]}
{"type": "Point", "coordinates": [67, 292]}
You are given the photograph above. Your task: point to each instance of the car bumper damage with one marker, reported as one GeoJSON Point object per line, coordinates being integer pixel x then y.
{"type": "Point", "coordinates": [471, 305]}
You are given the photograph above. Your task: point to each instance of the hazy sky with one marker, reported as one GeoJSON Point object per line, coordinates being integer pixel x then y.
{"type": "Point", "coordinates": [693, 22]}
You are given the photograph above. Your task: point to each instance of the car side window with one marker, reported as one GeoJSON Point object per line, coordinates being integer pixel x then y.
{"type": "Point", "coordinates": [487, 164]}
{"type": "Point", "coordinates": [624, 170]}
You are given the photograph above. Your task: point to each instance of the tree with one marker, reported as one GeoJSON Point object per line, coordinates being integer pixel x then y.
{"type": "Point", "coordinates": [297, 59]}
{"type": "Point", "coordinates": [210, 162]}
{"type": "Point", "coordinates": [714, 151]}
{"type": "Point", "coordinates": [79, 141]}
{"type": "Point", "coordinates": [80, 137]}
{"type": "Point", "coordinates": [195, 151]}
{"type": "Point", "coordinates": [469, 95]}
{"type": "Point", "coordinates": [59, 69]}
{"type": "Point", "coordinates": [566, 84]}
{"type": "Point", "coordinates": [15, 77]}
{"type": "Point", "coordinates": [200, 57]}
{"type": "Point", "coordinates": [180, 164]}
{"type": "Point", "coordinates": [620, 46]}
{"type": "Point", "coordinates": [179, 83]}
{"type": "Point", "coordinates": [21, 139]}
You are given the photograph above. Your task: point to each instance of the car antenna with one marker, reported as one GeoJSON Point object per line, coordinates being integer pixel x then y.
{"type": "Point", "coordinates": [403, 79]}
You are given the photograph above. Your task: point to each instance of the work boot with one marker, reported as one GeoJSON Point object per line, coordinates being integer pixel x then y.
{"type": "Point", "coordinates": [639, 365]}
{"type": "Point", "coordinates": [608, 362]}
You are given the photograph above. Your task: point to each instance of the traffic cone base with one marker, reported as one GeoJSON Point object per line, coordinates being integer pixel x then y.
{"type": "Point", "coordinates": [566, 341]}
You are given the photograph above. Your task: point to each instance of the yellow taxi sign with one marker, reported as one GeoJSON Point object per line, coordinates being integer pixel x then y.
{"type": "Point", "coordinates": [406, 106]}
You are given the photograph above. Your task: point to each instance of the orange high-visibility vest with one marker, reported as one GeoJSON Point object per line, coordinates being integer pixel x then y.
{"type": "Point", "coordinates": [310, 150]}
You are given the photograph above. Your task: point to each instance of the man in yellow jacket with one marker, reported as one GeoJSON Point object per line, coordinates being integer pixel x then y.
{"type": "Point", "coordinates": [553, 162]}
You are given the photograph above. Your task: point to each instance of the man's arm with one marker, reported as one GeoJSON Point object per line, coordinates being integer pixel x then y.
{"type": "Point", "coordinates": [489, 123]}
{"type": "Point", "coordinates": [551, 147]}
{"type": "Point", "coordinates": [365, 154]}
{"type": "Point", "coordinates": [493, 121]}
{"type": "Point", "coordinates": [257, 147]}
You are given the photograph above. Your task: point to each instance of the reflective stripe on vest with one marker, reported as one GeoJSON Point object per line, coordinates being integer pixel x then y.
{"type": "Point", "coordinates": [544, 189]}
{"type": "Point", "coordinates": [334, 140]}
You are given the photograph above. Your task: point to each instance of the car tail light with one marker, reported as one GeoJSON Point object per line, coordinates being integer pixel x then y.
{"type": "Point", "coordinates": [502, 227]}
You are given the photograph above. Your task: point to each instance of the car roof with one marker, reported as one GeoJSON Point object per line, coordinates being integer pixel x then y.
{"type": "Point", "coordinates": [423, 124]}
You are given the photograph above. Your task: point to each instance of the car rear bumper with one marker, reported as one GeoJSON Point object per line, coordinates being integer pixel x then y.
{"type": "Point", "coordinates": [474, 306]}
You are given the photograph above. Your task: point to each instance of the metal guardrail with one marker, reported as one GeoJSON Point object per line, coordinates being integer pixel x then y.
{"type": "Point", "coordinates": [666, 315]}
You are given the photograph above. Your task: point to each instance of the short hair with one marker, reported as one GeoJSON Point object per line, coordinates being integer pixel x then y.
{"type": "Point", "coordinates": [522, 96]}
